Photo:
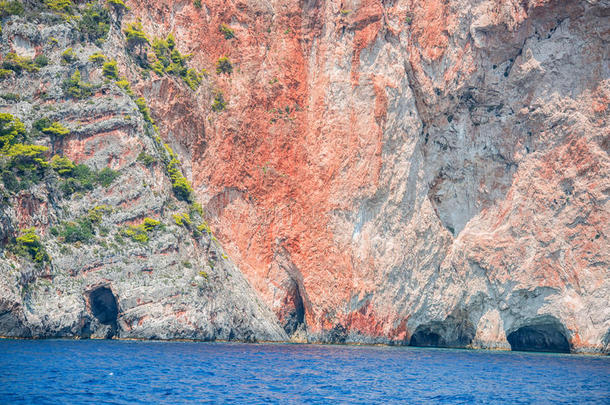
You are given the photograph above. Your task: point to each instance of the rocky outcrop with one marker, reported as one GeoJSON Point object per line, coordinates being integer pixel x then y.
{"type": "Point", "coordinates": [126, 259]}
{"type": "Point", "coordinates": [427, 173]}
{"type": "Point", "coordinates": [396, 163]}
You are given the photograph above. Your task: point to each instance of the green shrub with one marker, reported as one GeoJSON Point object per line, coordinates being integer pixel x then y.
{"type": "Point", "coordinates": [55, 130]}
{"type": "Point", "coordinates": [197, 208]}
{"type": "Point", "coordinates": [135, 36]}
{"type": "Point", "coordinates": [60, 6]}
{"type": "Point", "coordinates": [95, 22]}
{"type": "Point", "coordinates": [83, 179]}
{"type": "Point", "coordinates": [28, 245]}
{"type": "Point", "coordinates": [68, 56]}
{"type": "Point", "coordinates": [146, 159]}
{"type": "Point", "coordinates": [80, 230]}
{"type": "Point", "coordinates": [151, 224]}
{"type": "Point", "coordinates": [118, 6]}
{"type": "Point", "coordinates": [10, 97]}
{"type": "Point", "coordinates": [96, 214]}
{"type": "Point", "coordinates": [41, 60]}
{"type": "Point", "coordinates": [192, 79]}
{"type": "Point", "coordinates": [223, 65]}
{"type": "Point", "coordinates": [140, 233]}
{"type": "Point", "coordinates": [219, 102]}
{"type": "Point", "coordinates": [75, 87]}
{"type": "Point", "coordinates": [98, 58]}
{"type": "Point", "coordinates": [141, 103]}
{"type": "Point", "coordinates": [10, 8]}
{"type": "Point", "coordinates": [62, 165]}
{"type": "Point", "coordinates": [106, 176]}
{"type": "Point", "coordinates": [182, 219]}
{"type": "Point", "coordinates": [197, 3]}
{"type": "Point", "coordinates": [5, 73]}
{"type": "Point", "coordinates": [226, 31]}
{"type": "Point", "coordinates": [124, 84]}
{"type": "Point", "coordinates": [182, 188]}
{"type": "Point", "coordinates": [110, 71]}
{"type": "Point", "coordinates": [18, 64]}
{"type": "Point", "coordinates": [41, 123]}
{"type": "Point", "coordinates": [12, 130]}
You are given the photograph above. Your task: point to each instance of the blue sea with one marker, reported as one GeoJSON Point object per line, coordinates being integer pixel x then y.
{"type": "Point", "coordinates": [129, 372]}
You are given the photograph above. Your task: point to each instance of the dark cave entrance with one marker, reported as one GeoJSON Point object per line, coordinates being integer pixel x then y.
{"type": "Point", "coordinates": [544, 337]}
{"type": "Point", "coordinates": [296, 315]}
{"type": "Point", "coordinates": [103, 305]}
{"type": "Point", "coordinates": [426, 338]}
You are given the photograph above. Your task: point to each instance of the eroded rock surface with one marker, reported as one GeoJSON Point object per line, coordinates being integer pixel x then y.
{"type": "Point", "coordinates": [430, 172]}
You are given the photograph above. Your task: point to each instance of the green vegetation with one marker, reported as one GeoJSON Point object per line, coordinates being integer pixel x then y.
{"type": "Point", "coordinates": [182, 219]}
{"type": "Point", "coordinates": [110, 70]}
{"type": "Point", "coordinates": [136, 38]}
{"type": "Point", "coordinates": [219, 102]}
{"type": "Point", "coordinates": [118, 6]}
{"type": "Point", "coordinates": [197, 3]}
{"type": "Point", "coordinates": [84, 228]}
{"type": "Point", "coordinates": [60, 6]}
{"type": "Point", "coordinates": [75, 87]}
{"type": "Point", "coordinates": [98, 58]}
{"type": "Point", "coordinates": [106, 176]}
{"type": "Point", "coordinates": [146, 159]}
{"type": "Point", "coordinates": [12, 130]}
{"type": "Point", "coordinates": [10, 8]}
{"type": "Point", "coordinates": [180, 184]}
{"type": "Point", "coordinates": [95, 22]}
{"type": "Point", "coordinates": [10, 97]}
{"type": "Point", "coordinates": [192, 79]}
{"type": "Point", "coordinates": [141, 103]}
{"type": "Point", "coordinates": [141, 233]}
{"type": "Point", "coordinates": [81, 230]}
{"type": "Point", "coordinates": [168, 60]}
{"type": "Point", "coordinates": [4, 73]}
{"type": "Point", "coordinates": [55, 130]}
{"type": "Point", "coordinates": [28, 244]}
{"type": "Point", "coordinates": [80, 178]}
{"type": "Point", "coordinates": [124, 84]}
{"type": "Point", "coordinates": [41, 61]}
{"type": "Point", "coordinates": [223, 65]}
{"type": "Point", "coordinates": [68, 56]}
{"type": "Point", "coordinates": [21, 164]}
{"type": "Point", "coordinates": [226, 31]}
{"type": "Point", "coordinates": [63, 166]}
{"type": "Point", "coordinates": [18, 64]}
{"type": "Point", "coordinates": [96, 214]}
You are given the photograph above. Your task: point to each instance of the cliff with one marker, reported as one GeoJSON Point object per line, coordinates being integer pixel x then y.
{"type": "Point", "coordinates": [427, 173]}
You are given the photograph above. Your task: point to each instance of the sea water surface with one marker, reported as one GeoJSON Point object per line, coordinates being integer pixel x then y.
{"type": "Point", "coordinates": [129, 372]}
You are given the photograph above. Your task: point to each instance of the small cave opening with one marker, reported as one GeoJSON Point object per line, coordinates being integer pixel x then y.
{"type": "Point", "coordinates": [426, 338]}
{"type": "Point", "coordinates": [294, 310]}
{"type": "Point", "coordinates": [103, 305]}
{"type": "Point", "coordinates": [455, 331]}
{"type": "Point", "coordinates": [544, 337]}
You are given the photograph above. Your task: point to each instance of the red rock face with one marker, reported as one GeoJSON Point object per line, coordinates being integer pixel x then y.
{"type": "Point", "coordinates": [379, 165]}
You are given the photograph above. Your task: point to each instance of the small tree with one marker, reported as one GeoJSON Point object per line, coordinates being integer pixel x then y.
{"type": "Point", "coordinates": [110, 71]}
{"type": "Point", "coordinates": [136, 38]}
{"type": "Point", "coordinates": [223, 65]}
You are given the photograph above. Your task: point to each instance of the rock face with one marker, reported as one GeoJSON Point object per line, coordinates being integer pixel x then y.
{"type": "Point", "coordinates": [133, 277]}
{"type": "Point", "coordinates": [426, 173]}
